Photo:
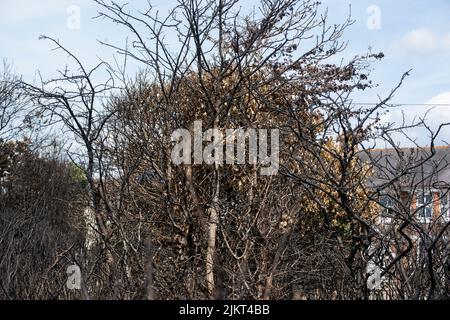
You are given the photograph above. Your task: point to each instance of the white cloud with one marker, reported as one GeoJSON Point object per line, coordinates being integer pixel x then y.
{"type": "Point", "coordinates": [425, 41]}
{"type": "Point", "coordinates": [435, 112]}
{"type": "Point", "coordinates": [446, 41]}
{"type": "Point", "coordinates": [440, 114]}
{"type": "Point", "coordinates": [439, 107]}
{"type": "Point", "coordinates": [442, 98]}
{"type": "Point", "coordinates": [421, 41]}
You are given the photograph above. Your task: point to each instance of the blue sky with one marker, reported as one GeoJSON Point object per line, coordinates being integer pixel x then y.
{"type": "Point", "coordinates": [413, 34]}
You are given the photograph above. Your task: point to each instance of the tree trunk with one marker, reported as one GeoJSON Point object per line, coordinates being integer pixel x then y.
{"type": "Point", "coordinates": [149, 292]}
{"type": "Point", "coordinates": [212, 235]}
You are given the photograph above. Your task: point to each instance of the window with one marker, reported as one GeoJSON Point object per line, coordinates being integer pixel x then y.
{"type": "Point", "coordinates": [444, 200]}
{"type": "Point", "coordinates": [387, 208]}
{"type": "Point", "coordinates": [425, 206]}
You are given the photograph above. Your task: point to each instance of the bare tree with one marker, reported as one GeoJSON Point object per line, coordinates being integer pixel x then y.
{"type": "Point", "coordinates": [10, 101]}
{"type": "Point", "coordinates": [73, 101]}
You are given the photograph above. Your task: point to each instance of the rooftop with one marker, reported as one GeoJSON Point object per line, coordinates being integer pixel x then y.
{"type": "Point", "coordinates": [412, 167]}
